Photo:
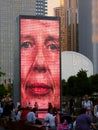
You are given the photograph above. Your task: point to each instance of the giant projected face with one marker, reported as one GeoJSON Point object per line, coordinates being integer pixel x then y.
{"type": "Point", "coordinates": [40, 62]}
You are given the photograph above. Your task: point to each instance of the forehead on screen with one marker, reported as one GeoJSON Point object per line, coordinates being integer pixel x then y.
{"type": "Point", "coordinates": [46, 23]}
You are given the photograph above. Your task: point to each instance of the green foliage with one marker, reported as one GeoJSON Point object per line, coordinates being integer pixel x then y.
{"type": "Point", "coordinates": [93, 79]}
{"type": "Point", "coordinates": [2, 91]}
{"type": "Point", "coordinates": [1, 73]}
{"type": "Point", "coordinates": [80, 84]}
{"type": "Point", "coordinates": [71, 85]}
{"type": "Point", "coordinates": [63, 87]}
{"type": "Point", "coordinates": [82, 73]}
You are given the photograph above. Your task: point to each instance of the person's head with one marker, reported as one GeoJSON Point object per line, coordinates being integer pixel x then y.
{"type": "Point", "coordinates": [40, 66]}
{"type": "Point", "coordinates": [50, 105]}
{"type": "Point", "coordinates": [35, 103]}
{"type": "Point", "coordinates": [33, 110]}
{"type": "Point", "coordinates": [63, 121]}
{"type": "Point", "coordinates": [10, 102]}
{"type": "Point", "coordinates": [86, 97]}
{"type": "Point", "coordinates": [83, 111]}
{"type": "Point", "coordinates": [50, 110]}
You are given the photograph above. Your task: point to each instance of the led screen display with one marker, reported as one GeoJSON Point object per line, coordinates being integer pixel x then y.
{"type": "Point", "coordinates": [39, 61]}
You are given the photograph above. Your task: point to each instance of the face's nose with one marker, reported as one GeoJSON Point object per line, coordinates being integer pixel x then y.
{"type": "Point", "coordinates": [39, 64]}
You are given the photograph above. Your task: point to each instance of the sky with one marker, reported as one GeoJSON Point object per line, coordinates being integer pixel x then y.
{"type": "Point", "coordinates": [51, 5]}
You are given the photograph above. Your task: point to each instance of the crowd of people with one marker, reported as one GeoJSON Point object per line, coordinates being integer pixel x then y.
{"type": "Point", "coordinates": [85, 120]}
{"type": "Point", "coordinates": [28, 114]}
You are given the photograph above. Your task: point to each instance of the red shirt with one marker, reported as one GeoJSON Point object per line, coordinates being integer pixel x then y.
{"type": "Point", "coordinates": [24, 113]}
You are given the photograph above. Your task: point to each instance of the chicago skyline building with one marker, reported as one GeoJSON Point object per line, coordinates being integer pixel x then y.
{"type": "Point", "coordinates": [41, 7]}
{"type": "Point", "coordinates": [88, 30]}
{"type": "Point", "coordinates": [9, 12]}
{"type": "Point", "coordinates": [68, 12]}
{"type": "Point", "coordinates": [85, 43]}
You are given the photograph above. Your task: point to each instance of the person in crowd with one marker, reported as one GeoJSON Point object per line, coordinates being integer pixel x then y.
{"type": "Point", "coordinates": [29, 105]}
{"type": "Point", "coordinates": [1, 110]}
{"type": "Point", "coordinates": [74, 124]}
{"type": "Point", "coordinates": [88, 104]}
{"type": "Point", "coordinates": [18, 106]}
{"type": "Point", "coordinates": [71, 104]}
{"type": "Point", "coordinates": [18, 113]}
{"type": "Point", "coordinates": [36, 105]}
{"type": "Point", "coordinates": [40, 62]}
{"type": "Point", "coordinates": [95, 118]}
{"type": "Point", "coordinates": [30, 117]}
{"type": "Point", "coordinates": [50, 105]}
{"type": "Point", "coordinates": [96, 109]}
{"type": "Point", "coordinates": [8, 108]}
{"type": "Point", "coordinates": [63, 125]}
{"type": "Point", "coordinates": [24, 113]}
{"type": "Point", "coordinates": [13, 115]}
{"type": "Point", "coordinates": [84, 121]}
{"type": "Point", "coordinates": [50, 119]}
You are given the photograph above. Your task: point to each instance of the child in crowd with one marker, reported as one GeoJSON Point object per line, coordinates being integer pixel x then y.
{"type": "Point", "coordinates": [63, 126]}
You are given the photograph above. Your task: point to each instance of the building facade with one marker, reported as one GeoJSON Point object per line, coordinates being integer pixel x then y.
{"type": "Point", "coordinates": [68, 12]}
{"type": "Point", "coordinates": [9, 11]}
{"type": "Point", "coordinates": [41, 7]}
{"type": "Point", "coordinates": [88, 30]}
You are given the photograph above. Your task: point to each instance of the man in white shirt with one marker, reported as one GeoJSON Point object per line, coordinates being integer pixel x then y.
{"type": "Point", "coordinates": [87, 103]}
{"type": "Point", "coordinates": [50, 119]}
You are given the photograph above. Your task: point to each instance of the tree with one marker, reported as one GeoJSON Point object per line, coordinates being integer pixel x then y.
{"type": "Point", "coordinates": [63, 87]}
{"type": "Point", "coordinates": [80, 85]}
{"type": "Point", "coordinates": [3, 91]}
{"type": "Point", "coordinates": [70, 86]}
{"type": "Point", "coordinates": [1, 73]}
{"type": "Point", "coordinates": [93, 79]}
{"type": "Point", "coordinates": [2, 88]}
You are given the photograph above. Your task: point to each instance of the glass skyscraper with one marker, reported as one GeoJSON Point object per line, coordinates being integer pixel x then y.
{"type": "Point", "coordinates": [9, 11]}
{"type": "Point", "coordinates": [41, 7]}
{"type": "Point", "coordinates": [68, 12]}
{"type": "Point", "coordinates": [88, 30]}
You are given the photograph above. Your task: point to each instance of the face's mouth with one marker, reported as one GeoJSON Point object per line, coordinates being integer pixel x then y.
{"type": "Point", "coordinates": [38, 89]}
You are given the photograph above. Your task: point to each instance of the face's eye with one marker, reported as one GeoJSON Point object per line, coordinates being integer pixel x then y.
{"type": "Point", "coordinates": [26, 44]}
{"type": "Point", "coordinates": [52, 45]}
